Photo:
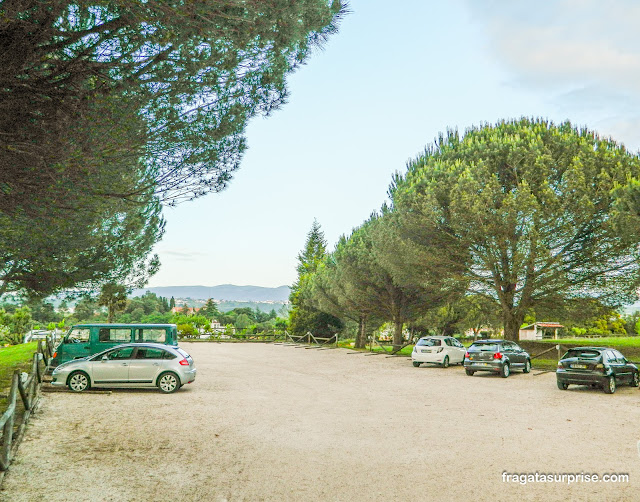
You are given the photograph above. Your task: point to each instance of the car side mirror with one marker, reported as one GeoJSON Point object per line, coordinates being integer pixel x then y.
{"type": "Point", "coordinates": [105, 358]}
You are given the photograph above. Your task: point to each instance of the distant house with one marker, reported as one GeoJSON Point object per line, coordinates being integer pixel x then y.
{"type": "Point", "coordinates": [540, 330]}
{"type": "Point", "coordinates": [216, 327]}
{"type": "Point", "coordinates": [180, 310]}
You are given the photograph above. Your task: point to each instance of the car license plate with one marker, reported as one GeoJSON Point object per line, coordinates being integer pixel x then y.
{"type": "Point", "coordinates": [426, 351]}
{"type": "Point", "coordinates": [579, 366]}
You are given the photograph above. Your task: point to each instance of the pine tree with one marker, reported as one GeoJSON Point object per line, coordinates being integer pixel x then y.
{"type": "Point", "coordinates": [304, 316]}
{"type": "Point", "coordinates": [210, 310]}
{"type": "Point", "coordinates": [114, 297]}
{"type": "Point", "coordinates": [531, 215]}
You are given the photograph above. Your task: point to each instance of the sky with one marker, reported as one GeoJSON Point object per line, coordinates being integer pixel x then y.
{"type": "Point", "coordinates": [394, 76]}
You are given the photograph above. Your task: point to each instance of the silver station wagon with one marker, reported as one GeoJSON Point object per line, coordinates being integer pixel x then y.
{"type": "Point", "coordinates": [129, 365]}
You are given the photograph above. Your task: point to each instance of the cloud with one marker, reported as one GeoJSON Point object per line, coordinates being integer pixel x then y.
{"type": "Point", "coordinates": [585, 54]}
{"type": "Point", "coordinates": [559, 42]}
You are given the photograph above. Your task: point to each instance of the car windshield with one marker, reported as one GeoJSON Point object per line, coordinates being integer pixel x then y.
{"type": "Point", "coordinates": [431, 342]}
{"type": "Point", "coordinates": [493, 347]}
{"type": "Point", "coordinates": [582, 354]}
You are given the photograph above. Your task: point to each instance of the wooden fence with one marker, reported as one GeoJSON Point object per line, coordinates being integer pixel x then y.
{"type": "Point", "coordinates": [263, 336]}
{"type": "Point", "coordinates": [308, 340]}
{"type": "Point", "coordinates": [29, 392]}
{"type": "Point", "coordinates": [277, 337]}
{"type": "Point", "coordinates": [387, 347]}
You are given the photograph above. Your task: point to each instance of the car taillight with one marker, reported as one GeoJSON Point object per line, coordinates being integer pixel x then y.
{"type": "Point", "coordinates": [466, 354]}
{"type": "Point", "coordinates": [440, 349]}
{"type": "Point", "coordinates": [55, 354]}
{"type": "Point", "coordinates": [184, 362]}
{"type": "Point", "coordinates": [415, 349]}
{"type": "Point", "coordinates": [560, 365]}
{"type": "Point", "coordinates": [497, 355]}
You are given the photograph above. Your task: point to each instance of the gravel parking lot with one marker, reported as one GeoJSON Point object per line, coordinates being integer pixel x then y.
{"type": "Point", "coordinates": [279, 423]}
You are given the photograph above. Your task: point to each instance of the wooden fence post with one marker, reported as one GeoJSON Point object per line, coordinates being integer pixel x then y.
{"type": "Point", "coordinates": [37, 368]}
{"type": "Point", "coordinates": [24, 394]}
{"type": "Point", "coordinates": [7, 431]}
{"type": "Point", "coordinates": [49, 347]}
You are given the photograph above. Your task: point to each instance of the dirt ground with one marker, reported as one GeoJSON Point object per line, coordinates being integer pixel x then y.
{"type": "Point", "coordinates": [279, 423]}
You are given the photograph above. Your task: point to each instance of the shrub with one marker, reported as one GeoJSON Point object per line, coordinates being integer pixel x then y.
{"type": "Point", "coordinates": [187, 331]}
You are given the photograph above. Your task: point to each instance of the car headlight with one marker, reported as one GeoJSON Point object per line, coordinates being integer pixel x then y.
{"type": "Point", "coordinates": [61, 367]}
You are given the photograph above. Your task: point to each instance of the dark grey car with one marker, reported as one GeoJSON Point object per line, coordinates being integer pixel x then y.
{"type": "Point", "coordinates": [499, 356]}
{"type": "Point", "coordinates": [596, 366]}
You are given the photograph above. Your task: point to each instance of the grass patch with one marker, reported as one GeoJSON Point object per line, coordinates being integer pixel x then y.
{"type": "Point", "coordinates": [544, 364]}
{"type": "Point", "coordinates": [14, 357]}
{"type": "Point", "coordinates": [612, 341]}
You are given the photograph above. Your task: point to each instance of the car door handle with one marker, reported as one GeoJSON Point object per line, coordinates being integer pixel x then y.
{"type": "Point", "coordinates": [86, 347]}
{"type": "Point", "coordinates": [125, 364]}
{"type": "Point", "coordinates": [156, 364]}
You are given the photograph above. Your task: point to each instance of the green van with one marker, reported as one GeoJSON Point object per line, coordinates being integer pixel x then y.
{"type": "Point", "coordinates": [83, 340]}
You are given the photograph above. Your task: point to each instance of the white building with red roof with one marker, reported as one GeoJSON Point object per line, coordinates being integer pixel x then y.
{"type": "Point", "coordinates": [540, 330]}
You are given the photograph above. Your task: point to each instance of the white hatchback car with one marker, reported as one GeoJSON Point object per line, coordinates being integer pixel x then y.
{"type": "Point", "coordinates": [442, 350]}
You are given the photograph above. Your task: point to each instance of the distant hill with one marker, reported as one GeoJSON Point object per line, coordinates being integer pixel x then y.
{"type": "Point", "coordinates": [221, 292]}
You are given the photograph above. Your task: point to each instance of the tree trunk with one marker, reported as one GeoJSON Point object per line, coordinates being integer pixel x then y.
{"type": "Point", "coordinates": [397, 335]}
{"type": "Point", "coordinates": [361, 338]}
{"type": "Point", "coordinates": [512, 325]}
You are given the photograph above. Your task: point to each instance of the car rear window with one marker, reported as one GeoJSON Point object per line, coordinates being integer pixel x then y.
{"type": "Point", "coordinates": [431, 342]}
{"type": "Point", "coordinates": [493, 347]}
{"type": "Point", "coordinates": [582, 354]}
{"type": "Point", "coordinates": [114, 335]}
{"type": "Point", "coordinates": [182, 353]}
{"type": "Point", "coordinates": [157, 335]}
{"type": "Point", "coordinates": [149, 353]}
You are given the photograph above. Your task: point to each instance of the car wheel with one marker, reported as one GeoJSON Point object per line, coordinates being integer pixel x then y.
{"type": "Point", "coordinates": [563, 386]}
{"type": "Point", "coordinates": [635, 381]}
{"type": "Point", "coordinates": [527, 366]}
{"type": "Point", "coordinates": [78, 381]}
{"type": "Point", "coordinates": [505, 371]}
{"type": "Point", "coordinates": [610, 386]}
{"type": "Point", "coordinates": [416, 364]}
{"type": "Point", "coordinates": [445, 362]}
{"type": "Point", "coordinates": [469, 372]}
{"type": "Point", "coordinates": [168, 382]}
